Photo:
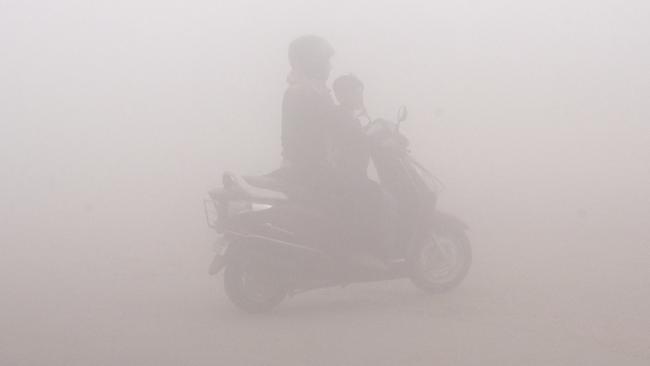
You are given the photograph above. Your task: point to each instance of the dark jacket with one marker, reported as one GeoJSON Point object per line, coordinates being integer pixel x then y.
{"type": "Point", "coordinates": [307, 114]}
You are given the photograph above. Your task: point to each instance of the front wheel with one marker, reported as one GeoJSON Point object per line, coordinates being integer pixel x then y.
{"type": "Point", "coordinates": [251, 287]}
{"type": "Point", "coordinates": [441, 262]}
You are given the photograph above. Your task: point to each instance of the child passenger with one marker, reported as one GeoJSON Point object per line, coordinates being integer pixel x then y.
{"type": "Point", "coordinates": [350, 147]}
{"type": "Point", "coordinates": [351, 157]}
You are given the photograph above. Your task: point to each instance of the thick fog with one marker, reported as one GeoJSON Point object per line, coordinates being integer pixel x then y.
{"type": "Point", "coordinates": [116, 118]}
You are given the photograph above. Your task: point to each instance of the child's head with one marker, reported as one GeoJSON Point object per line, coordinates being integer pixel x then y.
{"type": "Point", "coordinates": [348, 90]}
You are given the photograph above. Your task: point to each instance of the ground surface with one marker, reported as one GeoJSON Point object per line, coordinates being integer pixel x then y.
{"type": "Point", "coordinates": [577, 304]}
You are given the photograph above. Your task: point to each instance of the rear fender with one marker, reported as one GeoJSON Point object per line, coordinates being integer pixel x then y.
{"type": "Point", "coordinates": [220, 257]}
{"type": "Point", "coordinates": [446, 222]}
{"type": "Point", "coordinates": [228, 251]}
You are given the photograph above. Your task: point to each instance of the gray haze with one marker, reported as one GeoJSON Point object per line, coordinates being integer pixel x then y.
{"type": "Point", "coordinates": [116, 118]}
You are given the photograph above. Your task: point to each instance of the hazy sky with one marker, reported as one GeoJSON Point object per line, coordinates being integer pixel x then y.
{"type": "Point", "coordinates": [122, 114]}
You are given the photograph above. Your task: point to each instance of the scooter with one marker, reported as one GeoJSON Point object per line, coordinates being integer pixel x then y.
{"type": "Point", "coordinates": [272, 245]}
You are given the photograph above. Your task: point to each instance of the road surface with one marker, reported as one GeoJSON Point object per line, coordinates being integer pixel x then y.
{"type": "Point", "coordinates": [561, 304]}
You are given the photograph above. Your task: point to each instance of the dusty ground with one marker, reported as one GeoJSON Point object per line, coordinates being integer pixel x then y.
{"type": "Point", "coordinates": [564, 304]}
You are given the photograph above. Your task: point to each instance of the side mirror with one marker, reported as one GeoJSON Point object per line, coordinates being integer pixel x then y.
{"type": "Point", "coordinates": [402, 113]}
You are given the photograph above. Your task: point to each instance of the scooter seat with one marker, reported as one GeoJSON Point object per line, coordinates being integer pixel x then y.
{"type": "Point", "coordinates": [283, 184]}
{"type": "Point", "coordinates": [265, 182]}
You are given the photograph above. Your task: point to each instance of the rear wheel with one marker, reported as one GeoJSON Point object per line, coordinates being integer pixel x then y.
{"type": "Point", "coordinates": [442, 261]}
{"type": "Point", "coordinates": [252, 287]}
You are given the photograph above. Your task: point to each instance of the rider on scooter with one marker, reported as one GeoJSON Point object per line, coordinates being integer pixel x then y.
{"type": "Point", "coordinates": [312, 128]}
{"type": "Point", "coordinates": [307, 113]}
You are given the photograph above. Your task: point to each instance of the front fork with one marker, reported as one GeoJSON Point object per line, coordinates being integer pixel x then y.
{"type": "Point", "coordinates": [219, 260]}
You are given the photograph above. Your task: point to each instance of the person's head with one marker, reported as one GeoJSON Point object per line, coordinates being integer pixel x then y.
{"type": "Point", "coordinates": [310, 55]}
{"type": "Point", "coordinates": [348, 90]}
